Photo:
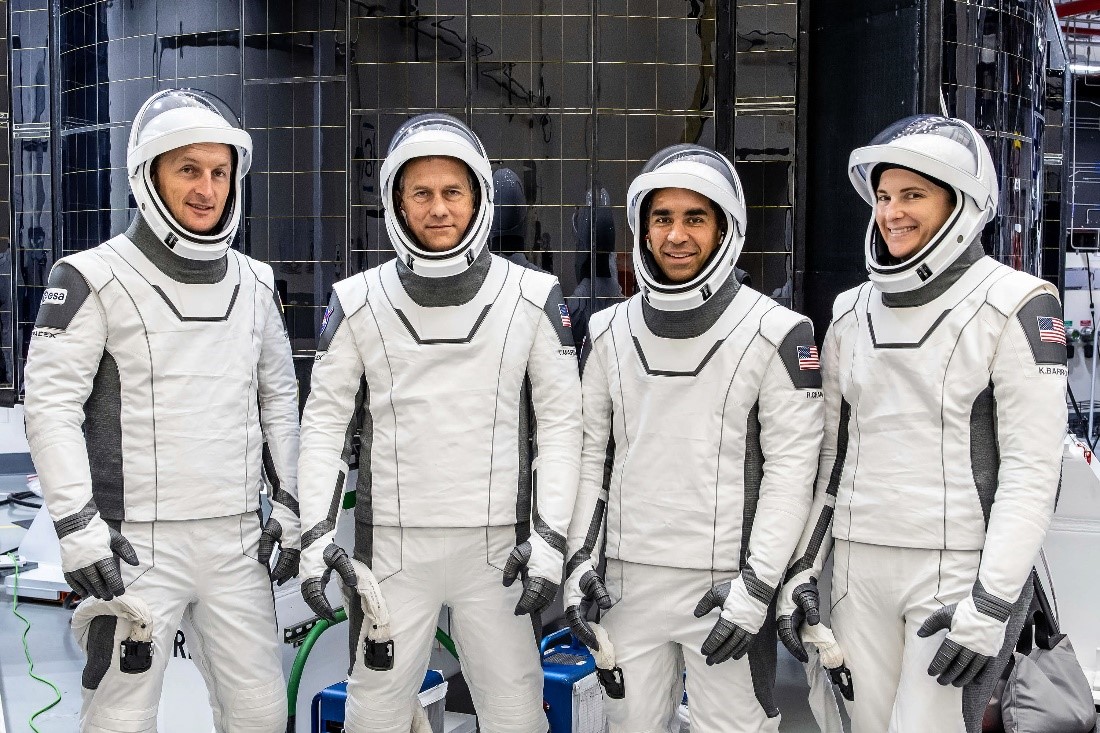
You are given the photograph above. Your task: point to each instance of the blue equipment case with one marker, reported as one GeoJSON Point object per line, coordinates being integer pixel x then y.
{"type": "Point", "coordinates": [327, 710]}
{"type": "Point", "coordinates": [565, 661]}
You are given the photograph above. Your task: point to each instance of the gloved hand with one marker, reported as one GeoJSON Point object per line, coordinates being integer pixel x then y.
{"type": "Point", "coordinates": [743, 614]}
{"type": "Point", "coordinates": [798, 601]}
{"type": "Point", "coordinates": [539, 565]}
{"type": "Point", "coordinates": [378, 648]}
{"type": "Point", "coordinates": [286, 567]}
{"type": "Point", "coordinates": [976, 632]}
{"type": "Point", "coordinates": [608, 673]}
{"type": "Point", "coordinates": [583, 587]}
{"type": "Point", "coordinates": [313, 589]}
{"type": "Point", "coordinates": [831, 657]}
{"type": "Point", "coordinates": [136, 650]}
{"type": "Point", "coordinates": [101, 578]}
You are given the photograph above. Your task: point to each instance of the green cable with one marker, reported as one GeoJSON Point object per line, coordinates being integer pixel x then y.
{"type": "Point", "coordinates": [26, 650]}
{"type": "Point", "coordinates": [300, 660]}
{"type": "Point", "coordinates": [314, 634]}
{"type": "Point", "coordinates": [447, 642]}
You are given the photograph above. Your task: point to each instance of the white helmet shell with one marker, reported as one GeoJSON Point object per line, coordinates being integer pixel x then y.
{"type": "Point", "coordinates": [943, 148]}
{"type": "Point", "coordinates": [710, 174]}
{"type": "Point", "coordinates": [431, 135]}
{"type": "Point", "coordinates": [172, 119]}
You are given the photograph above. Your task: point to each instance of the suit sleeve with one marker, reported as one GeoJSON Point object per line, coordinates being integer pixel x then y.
{"type": "Point", "coordinates": [278, 395]}
{"type": "Point", "coordinates": [1029, 385]}
{"type": "Point", "coordinates": [68, 341]}
{"type": "Point", "coordinates": [817, 537]}
{"type": "Point", "coordinates": [790, 414]}
{"type": "Point", "coordinates": [329, 423]}
{"type": "Point", "coordinates": [555, 395]}
{"type": "Point", "coordinates": [587, 525]}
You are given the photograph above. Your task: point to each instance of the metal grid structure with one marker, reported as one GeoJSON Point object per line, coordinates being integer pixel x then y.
{"type": "Point", "coordinates": [1080, 22]}
{"type": "Point", "coordinates": [573, 95]}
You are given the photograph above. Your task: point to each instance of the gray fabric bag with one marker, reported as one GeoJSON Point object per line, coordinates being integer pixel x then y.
{"type": "Point", "coordinates": [1045, 690]}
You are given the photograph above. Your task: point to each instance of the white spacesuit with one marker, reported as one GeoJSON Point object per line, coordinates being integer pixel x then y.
{"type": "Point", "coordinates": [433, 358]}
{"type": "Point", "coordinates": [702, 418]}
{"type": "Point", "coordinates": [158, 367]}
{"type": "Point", "coordinates": [944, 382]}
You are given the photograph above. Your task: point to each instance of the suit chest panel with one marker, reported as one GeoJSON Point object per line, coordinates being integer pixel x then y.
{"type": "Point", "coordinates": [449, 360]}
{"type": "Point", "coordinates": [183, 331]}
{"type": "Point", "coordinates": [904, 371]}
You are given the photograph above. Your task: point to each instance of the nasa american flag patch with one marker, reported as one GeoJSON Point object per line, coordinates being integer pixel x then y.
{"type": "Point", "coordinates": [1052, 330]}
{"type": "Point", "coordinates": [563, 311]}
{"type": "Point", "coordinates": [807, 358]}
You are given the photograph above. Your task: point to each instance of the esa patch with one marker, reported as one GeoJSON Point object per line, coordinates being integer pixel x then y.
{"type": "Point", "coordinates": [65, 292]}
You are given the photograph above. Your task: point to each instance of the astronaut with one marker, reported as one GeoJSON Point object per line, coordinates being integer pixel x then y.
{"type": "Point", "coordinates": [702, 417]}
{"type": "Point", "coordinates": [160, 395]}
{"type": "Point", "coordinates": [944, 382]}
{"type": "Point", "coordinates": [433, 357]}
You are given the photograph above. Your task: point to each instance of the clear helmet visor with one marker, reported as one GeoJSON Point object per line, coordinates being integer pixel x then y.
{"type": "Point", "coordinates": [177, 117]}
{"type": "Point", "coordinates": [185, 99]}
{"type": "Point", "coordinates": [695, 154]}
{"type": "Point", "coordinates": [435, 123]}
{"type": "Point", "coordinates": [928, 143]}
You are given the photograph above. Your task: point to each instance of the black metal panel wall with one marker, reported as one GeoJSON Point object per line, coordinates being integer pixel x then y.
{"type": "Point", "coordinates": [865, 72]}
{"type": "Point", "coordinates": [7, 335]}
{"type": "Point", "coordinates": [767, 91]}
{"type": "Point", "coordinates": [1057, 157]}
{"type": "Point", "coordinates": [981, 60]}
{"type": "Point", "coordinates": [994, 76]}
{"type": "Point", "coordinates": [295, 106]}
{"type": "Point", "coordinates": [32, 200]}
{"type": "Point", "coordinates": [573, 95]}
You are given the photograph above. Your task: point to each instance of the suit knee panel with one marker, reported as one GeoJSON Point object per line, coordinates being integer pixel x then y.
{"type": "Point", "coordinates": [101, 648]}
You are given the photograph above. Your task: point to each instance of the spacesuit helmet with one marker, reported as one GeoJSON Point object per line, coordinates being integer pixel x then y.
{"type": "Point", "coordinates": [594, 234]}
{"type": "Point", "coordinates": [948, 152]}
{"type": "Point", "coordinates": [437, 135]}
{"type": "Point", "coordinates": [172, 119]}
{"type": "Point", "coordinates": [708, 173]}
{"type": "Point", "coordinates": [510, 206]}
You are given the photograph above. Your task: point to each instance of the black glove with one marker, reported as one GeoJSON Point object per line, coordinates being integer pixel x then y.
{"type": "Point", "coordinates": [103, 578]}
{"type": "Point", "coordinates": [313, 589]}
{"type": "Point", "coordinates": [594, 591]}
{"type": "Point", "coordinates": [726, 640]}
{"type": "Point", "coordinates": [954, 664]}
{"type": "Point", "coordinates": [286, 567]}
{"type": "Point", "coordinates": [807, 604]}
{"type": "Point", "coordinates": [538, 593]}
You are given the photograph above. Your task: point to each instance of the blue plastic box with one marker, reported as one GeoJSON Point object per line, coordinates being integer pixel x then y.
{"type": "Point", "coordinates": [565, 661]}
{"type": "Point", "coordinates": [327, 710]}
